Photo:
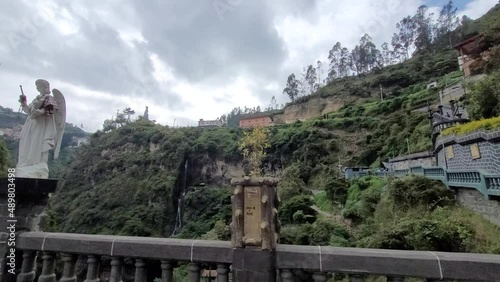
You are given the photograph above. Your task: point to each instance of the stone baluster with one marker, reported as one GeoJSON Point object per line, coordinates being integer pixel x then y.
{"type": "Point", "coordinates": [222, 272]}
{"type": "Point", "coordinates": [92, 269]}
{"type": "Point", "coordinates": [395, 279]}
{"type": "Point", "coordinates": [356, 278]}
{"type": "Point", "coordinates": [28, 267]}
{"type": "Point", "coordinates": [140, 270]}
{"type": "Point", "coordinates": [286, 275]}
{"type": "Point", "coordinates": [116, 270]}
{"type": "Point", "coordinates": [68, 274]}
{"type": "Point", "coordinates": [194, 272]}
{"type": "Point", "coordinates": [48, 274]}
{"type": "Point", "coordinates": [167, 271]}
{"type": "Point", "coordinates": [319, 277]}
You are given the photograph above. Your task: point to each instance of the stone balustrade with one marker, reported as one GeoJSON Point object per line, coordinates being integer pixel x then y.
{"type": "Point", "coordinates": [487, 184]}
{"type": "Point", "coordinates": [198, 253]}
{"type": "Point", "coordinates": [252, 255]}
{"type": "Point", "coordinates": [317, 263]}
{"type": "Point", "coordinates": [395, 265]}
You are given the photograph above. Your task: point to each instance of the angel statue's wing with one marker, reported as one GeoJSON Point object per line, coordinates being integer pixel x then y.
{"type": "Point", "coordinates": [59, 119]}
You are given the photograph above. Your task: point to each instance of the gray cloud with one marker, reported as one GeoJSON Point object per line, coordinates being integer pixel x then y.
{"type": "Point", "coordinates": [202, 47]}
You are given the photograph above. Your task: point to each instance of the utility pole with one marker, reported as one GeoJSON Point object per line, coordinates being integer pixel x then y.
{"type": "Point", "coordinates": [408, 143]}
{"type": "Point", "coordinates": [340, 166]}
{"type": "Point", "coordinates": [381, 93]}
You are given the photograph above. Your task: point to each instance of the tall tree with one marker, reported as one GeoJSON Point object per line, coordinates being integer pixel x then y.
{"type": "Point", "coordinates": [357, 59]}
{"type": "Point", "coordinates": [128, 112]}
{"type": "Point", "coordinates": [447, 21]}
{"type": "Point", "coordinates": [386, 54]}
{"type": "Point", "coordinates": [292, 87]}
{"type": "Point", "coordinates": [233, 118]}
{"type": "Point", "coordinates": [311, 79]}
{"type": "Point", "coordinates": [345, 64]}
{"type": "Point", "coordinates": [465, 24]}
{"type": "Point", "coordinates": [319, 71]}
{"type": "Point", "coordinates": [334, 56]}
{"type": "Point", "coordinates": [370, 53]}
{"type": "Point", "coordinates": [120, 118]}
{"type": "Point", "coordinates": [273, 105]}
{"type": "Point", "coordinates": [403, 40]}
{"type": "Point", "coordinates": [303, 86]}
{"type": "Point", "coordinates": [365, 55]}
{"type": "Point", "coordinates": [423, 28]}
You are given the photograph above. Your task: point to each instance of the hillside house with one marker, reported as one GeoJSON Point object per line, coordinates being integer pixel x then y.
{"type": "Point", "coordinates": [256, 120]}
{"type": "Point", "coordinates": [468, 51]}
{"type": "Point", "coordinates": [209, 123]}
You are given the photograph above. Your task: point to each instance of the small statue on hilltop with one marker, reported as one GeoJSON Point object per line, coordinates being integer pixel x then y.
{"type": "Point", "coordinates": [146, 114]}
{"type": "Point", "coordinates": [42, 131]}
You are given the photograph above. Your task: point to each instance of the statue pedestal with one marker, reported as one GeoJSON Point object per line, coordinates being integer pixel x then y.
{"type": "Point", "coordinates": [30, 198]}
{"type": "Point", "coordinates": [22, 204]}
{"type": "Point", "coordinates": [254, 229]}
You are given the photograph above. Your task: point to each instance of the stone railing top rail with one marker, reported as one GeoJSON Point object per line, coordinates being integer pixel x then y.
{"type": "Point", "coordinates": [124, 246]}
{"type": "Point", "coordinates": [433, 265]}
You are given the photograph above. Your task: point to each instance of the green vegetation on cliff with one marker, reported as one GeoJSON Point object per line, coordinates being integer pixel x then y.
{"type": "Point", "coordinates": [136, 172]}
{"type": "Point", "coordinates": [412, 213]}
{"type": "Point", "coordinates": [4, 158]}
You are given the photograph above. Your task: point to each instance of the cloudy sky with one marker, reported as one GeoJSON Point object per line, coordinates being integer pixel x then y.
{"type": "Point", "coordinates": [185, 59]}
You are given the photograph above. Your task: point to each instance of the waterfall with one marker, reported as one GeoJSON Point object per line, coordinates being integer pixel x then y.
{"type": "Point", "coordinates": [178, 217]}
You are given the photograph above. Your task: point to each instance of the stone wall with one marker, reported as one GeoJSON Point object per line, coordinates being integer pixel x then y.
{"type": "Point", "coordinates": [456, 152]}
{"type": "Point", "coordinates": [425, 158]}
{"type": "Point", "coordinates": [475, 201]}
{"type": "Point", "coordinates": [28, 213]}
{"type": "Point", "coordinates": [314, 107]}
{"type": "Point", "coordinates": [406, 164]}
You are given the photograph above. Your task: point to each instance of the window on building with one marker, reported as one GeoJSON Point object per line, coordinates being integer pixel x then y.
{"type": "Point", "coordinates": [450, 154]}
{"type": "Point", "coordinates": [474, 151]}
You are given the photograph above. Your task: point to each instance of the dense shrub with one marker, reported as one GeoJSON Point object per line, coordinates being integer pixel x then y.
{"type": "Point", "coordinates": [484, 98]}
{"type": "Point", "coordinates": [290, 207]}
{"type": "Point", "coordinates": [486, 124]}
{"type": "Point", "coordinates": [419, 191]}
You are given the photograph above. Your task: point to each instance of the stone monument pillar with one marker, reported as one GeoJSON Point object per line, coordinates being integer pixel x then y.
{"type": "Point", "coordinates": [254, 229]}
{"type": "Point", "coordinates": [22, 205]}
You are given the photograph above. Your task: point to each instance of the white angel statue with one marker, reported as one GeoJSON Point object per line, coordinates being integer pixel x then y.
{"type": "Point", "coordinates": [42, 131]}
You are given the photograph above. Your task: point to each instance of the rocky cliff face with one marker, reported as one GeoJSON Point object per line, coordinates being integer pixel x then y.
{"type": "Point", "coordinates": [314, 107]}
{"type": "Point", "coordinates": [218, 172]}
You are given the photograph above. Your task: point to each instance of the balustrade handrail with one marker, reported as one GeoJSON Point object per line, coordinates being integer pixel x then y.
{"type": "Point", "coordinates": [128, 246]}
{"type": "Point", "coordinates": [356, 261]}
{"type": "Point", "coordinates": [392, 263]}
